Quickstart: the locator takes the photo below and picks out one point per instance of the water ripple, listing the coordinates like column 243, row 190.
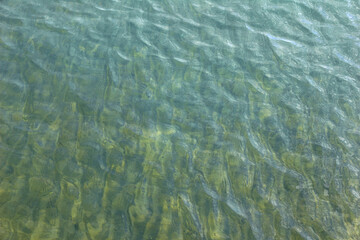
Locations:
column 179, row 119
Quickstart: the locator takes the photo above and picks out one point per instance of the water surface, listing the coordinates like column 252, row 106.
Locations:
column 179, row 119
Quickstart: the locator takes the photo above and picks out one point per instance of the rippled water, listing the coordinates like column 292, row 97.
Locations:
column 179, row 119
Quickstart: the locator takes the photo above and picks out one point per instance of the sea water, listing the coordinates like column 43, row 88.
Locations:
column 178, row 119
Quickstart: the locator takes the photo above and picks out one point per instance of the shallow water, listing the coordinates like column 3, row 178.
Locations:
column 179, row 119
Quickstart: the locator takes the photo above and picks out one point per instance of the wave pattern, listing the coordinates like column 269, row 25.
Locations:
column 179, row 119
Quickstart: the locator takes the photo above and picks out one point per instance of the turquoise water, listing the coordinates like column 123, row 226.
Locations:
column 179, row 119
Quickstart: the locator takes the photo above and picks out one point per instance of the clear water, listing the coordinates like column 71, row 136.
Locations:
column 179, row 119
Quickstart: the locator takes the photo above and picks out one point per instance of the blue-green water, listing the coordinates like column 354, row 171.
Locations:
column 179, row 119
